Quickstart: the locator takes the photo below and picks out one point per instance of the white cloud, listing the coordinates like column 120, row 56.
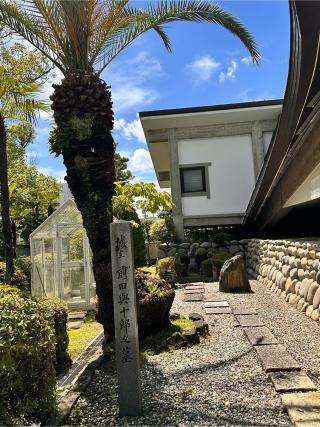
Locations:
column 230, row 73
column 130, row 129
column 129, row 96
column 141, row 161
column 51, row 171
column 129, row 81
column 203, row 68
column 246, row 60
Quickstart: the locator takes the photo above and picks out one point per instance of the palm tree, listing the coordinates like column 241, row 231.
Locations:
column 81, row 38
column 17, row 102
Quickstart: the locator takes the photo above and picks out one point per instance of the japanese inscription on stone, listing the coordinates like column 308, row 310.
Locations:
column 125, row 317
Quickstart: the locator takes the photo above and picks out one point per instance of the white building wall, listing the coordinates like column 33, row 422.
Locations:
column 231, row 174
column 308, row 190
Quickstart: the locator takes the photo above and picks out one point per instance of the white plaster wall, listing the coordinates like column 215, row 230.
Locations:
column 308, row 190
column 231, row 174
column 266, row 141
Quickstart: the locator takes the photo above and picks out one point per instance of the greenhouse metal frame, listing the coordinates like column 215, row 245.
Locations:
column 61, row 259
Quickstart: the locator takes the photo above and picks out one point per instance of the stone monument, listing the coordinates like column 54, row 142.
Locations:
column 125, row 318
column 233, row 276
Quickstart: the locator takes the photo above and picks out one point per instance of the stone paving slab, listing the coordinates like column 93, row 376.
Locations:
column 193, row 291
column 195, row 284
column 211, row 297
column 275, row 357
column 216, row 304
column 75, row 325
column 217, row 310
column 303, row 408
column 188, row 288
column 193, row 297
column 249, row 320
column 260, row 335
column 76, row 315
column 291, row 381
column 239, row 310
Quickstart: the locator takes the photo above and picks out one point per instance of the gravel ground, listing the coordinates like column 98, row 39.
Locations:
column 217, row 383
column 299, row 334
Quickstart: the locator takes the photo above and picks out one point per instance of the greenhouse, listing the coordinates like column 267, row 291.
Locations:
column 61, row 259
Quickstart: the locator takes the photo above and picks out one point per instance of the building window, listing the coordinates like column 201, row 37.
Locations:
column 193, row 179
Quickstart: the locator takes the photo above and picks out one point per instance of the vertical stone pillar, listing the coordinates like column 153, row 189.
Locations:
column 125, row 318
column 175, row 185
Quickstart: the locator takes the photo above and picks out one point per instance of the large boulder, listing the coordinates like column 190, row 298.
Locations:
column 233, row 276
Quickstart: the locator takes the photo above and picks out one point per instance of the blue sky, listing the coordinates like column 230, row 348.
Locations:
column 208, row 66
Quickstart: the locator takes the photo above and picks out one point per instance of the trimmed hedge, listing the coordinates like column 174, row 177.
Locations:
column 27, row 358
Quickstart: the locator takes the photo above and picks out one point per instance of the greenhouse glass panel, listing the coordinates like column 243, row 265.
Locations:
column 62, row 260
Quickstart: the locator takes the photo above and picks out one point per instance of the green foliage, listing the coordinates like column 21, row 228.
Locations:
column 59, row 312
column 154, row 288
column 165, row 265
column 158, row 231
column 137, row 237
column 220, row 238
column 31, row 192
column 140, row 195
column 219, row 259
column 76, row 245
column 122, row 173
column 206, row 267
column 20, row 279
column 27, row 355
column 110, row 28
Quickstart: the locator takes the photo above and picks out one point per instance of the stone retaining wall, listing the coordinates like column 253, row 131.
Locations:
column 202, row 250
column 289, row 268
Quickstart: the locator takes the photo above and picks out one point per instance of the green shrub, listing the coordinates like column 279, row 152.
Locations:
column 158, row 231
column 206, row 267
column 27, row 356
column 165, row 265
column 59, row 312
column 23, row 264
column 137, row 237
column 221, row 238
column 19, row 278
column 219, row 259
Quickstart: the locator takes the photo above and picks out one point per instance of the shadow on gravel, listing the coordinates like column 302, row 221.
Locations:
column 175, row 399
column 215, row 365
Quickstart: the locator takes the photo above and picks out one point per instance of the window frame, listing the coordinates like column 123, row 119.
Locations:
column 204, row 167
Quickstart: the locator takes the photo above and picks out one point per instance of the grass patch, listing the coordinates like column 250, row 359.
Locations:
column 80, row 338
column 154, row 343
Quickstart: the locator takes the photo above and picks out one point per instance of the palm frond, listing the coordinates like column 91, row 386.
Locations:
column 154, row 16
column 88, row 34
column 29, row 26
column 18, row 101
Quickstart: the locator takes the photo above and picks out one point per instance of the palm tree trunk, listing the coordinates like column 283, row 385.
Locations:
column 83, row 114
column 5, row 203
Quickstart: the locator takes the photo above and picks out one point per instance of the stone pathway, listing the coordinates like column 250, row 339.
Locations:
column 284, row 371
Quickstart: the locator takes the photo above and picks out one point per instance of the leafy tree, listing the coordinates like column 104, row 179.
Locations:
column 21, row 73
column 16, row 103
column 144, row 197
column 81, row 39
column 122, row 173
column 31, row 192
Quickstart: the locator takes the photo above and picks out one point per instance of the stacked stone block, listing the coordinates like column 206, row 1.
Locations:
column 290, row 269
column 204, row 249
